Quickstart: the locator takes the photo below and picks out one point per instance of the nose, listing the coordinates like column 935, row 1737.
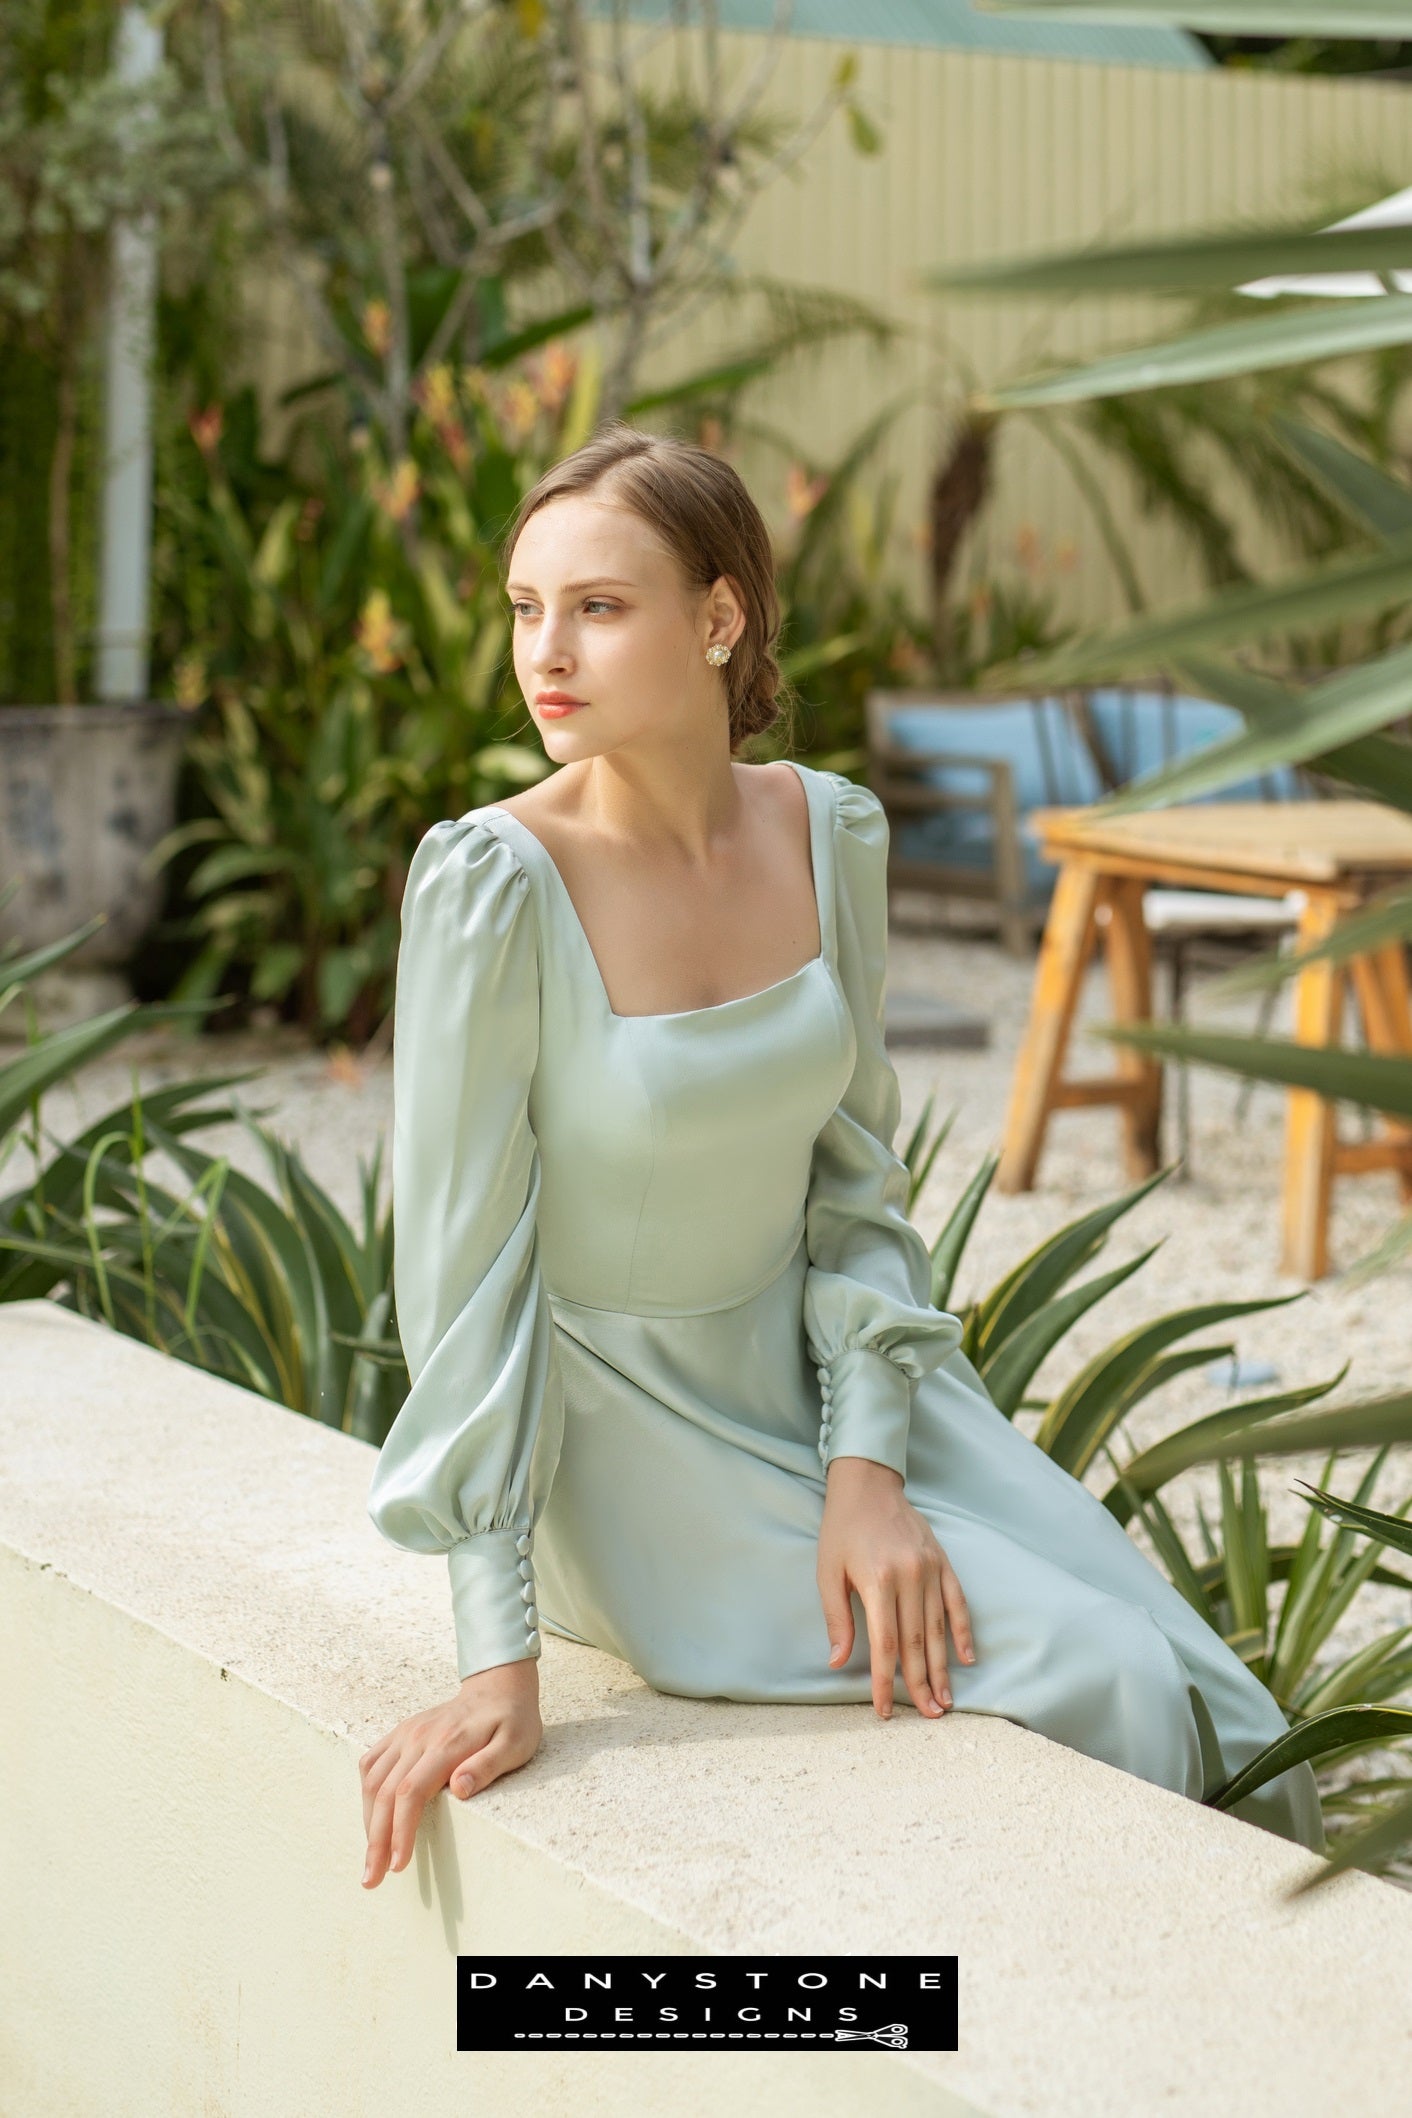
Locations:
column 552, row 653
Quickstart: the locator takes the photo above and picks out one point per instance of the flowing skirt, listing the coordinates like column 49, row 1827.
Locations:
column 681, row 1534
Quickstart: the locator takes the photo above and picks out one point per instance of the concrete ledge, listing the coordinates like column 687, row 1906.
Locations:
column 202, row 1631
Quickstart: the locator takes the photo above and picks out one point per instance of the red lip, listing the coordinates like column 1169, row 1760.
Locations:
column 557, row 698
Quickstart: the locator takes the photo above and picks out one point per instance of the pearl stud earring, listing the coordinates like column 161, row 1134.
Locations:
column 718, row 654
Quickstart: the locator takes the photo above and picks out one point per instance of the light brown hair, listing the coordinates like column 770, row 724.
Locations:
column 702, row 511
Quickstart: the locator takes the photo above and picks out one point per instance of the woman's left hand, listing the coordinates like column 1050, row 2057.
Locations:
column 873, row 1540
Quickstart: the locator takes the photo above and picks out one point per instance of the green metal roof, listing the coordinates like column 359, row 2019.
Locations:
column 949, row 24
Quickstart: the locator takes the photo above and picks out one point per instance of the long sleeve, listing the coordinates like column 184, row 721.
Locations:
column 469, row 1460
column 869, row 1321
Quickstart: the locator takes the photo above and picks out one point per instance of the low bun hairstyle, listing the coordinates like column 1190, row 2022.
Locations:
column 702, row 511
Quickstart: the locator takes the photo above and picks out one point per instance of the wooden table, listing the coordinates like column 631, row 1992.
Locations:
column 1338, row 853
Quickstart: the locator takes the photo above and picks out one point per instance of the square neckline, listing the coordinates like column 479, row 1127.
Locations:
column 718, row 1007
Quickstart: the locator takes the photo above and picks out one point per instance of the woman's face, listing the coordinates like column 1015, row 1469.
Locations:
column 603, row 617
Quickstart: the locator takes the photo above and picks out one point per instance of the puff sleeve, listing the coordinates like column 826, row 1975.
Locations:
column 468, row 1461
column 870, row 1325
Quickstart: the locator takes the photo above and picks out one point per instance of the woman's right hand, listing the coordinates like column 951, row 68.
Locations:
column 490, row 1727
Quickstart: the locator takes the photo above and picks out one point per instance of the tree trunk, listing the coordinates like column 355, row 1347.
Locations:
column 959, row 491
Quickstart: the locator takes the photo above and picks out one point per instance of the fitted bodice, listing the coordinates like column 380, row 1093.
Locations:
column 675, row 1149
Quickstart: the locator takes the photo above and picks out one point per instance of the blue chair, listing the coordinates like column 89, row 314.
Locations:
column 1134, row 729
column 957, row 774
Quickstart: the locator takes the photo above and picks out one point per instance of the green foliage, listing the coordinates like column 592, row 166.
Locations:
column 270, row 1287
column 340, row 635
column 1276, row 1606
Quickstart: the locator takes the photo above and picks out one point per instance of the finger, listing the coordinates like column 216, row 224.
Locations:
column 409, row 1798
column 912, row 1638
column 375, row 1778
column 838, row 1616
column 379, row 1837
column 937, row 1670
column 880, row 1607
column 958, row 1611
column 481, row 1767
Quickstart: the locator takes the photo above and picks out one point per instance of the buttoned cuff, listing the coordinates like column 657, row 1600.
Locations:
column 867, row 1407
column 493, row 1598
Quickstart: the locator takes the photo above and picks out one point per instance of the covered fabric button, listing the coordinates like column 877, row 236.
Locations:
column 522, row 1543
column 527, row 1592
column 530, row 1616
column 532, row 1638
column 527, row 1569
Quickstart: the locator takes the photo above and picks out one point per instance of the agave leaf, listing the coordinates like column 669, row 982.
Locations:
column 1008, row 1373
column 1369, row 497
column 951, row 1242
column 1370, row 1849
column 1183, row 263
column 1284, row 339
column 1207, row 1440
column 1083, row 1413
column 1345, row 586
column 1040, row 1274
column 1392, row 1530
column 1382, row 1082
column 1324, row 1736
column 1379, row 764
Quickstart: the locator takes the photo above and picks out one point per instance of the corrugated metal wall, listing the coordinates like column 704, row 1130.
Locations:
column 955, row 24
column 988, row 155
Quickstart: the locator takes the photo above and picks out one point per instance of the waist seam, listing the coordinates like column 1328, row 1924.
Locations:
column 735, row 1301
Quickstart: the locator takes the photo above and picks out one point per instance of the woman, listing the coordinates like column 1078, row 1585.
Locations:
column 677, row 1386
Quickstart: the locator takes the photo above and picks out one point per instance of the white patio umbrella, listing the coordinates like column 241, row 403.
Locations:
column 1392, row 212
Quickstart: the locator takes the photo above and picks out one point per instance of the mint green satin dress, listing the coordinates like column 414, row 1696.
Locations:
column 653, row 1272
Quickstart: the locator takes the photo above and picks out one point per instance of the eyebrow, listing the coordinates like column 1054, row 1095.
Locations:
column 603, row 581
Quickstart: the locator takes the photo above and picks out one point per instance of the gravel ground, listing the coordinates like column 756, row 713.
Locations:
column 1219, row 1228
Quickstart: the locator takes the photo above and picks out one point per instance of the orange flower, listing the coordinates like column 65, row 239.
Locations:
column 189, row 680
column 436, row 393
column 377, row 327
column 555, row 375
column 395, row 498
column 803, row 493
column 453, row 439
column 206, row 428
column 379, row 635
column 519, row 409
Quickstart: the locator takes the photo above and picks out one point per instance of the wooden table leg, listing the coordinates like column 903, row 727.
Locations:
column 1380, row 981
column 1310, row 1126
column 1064, row 951
column 1130, row 983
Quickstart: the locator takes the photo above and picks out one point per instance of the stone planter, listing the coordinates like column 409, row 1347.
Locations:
column 85, row 794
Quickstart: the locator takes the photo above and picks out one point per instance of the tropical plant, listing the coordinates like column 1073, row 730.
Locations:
column 1347, row 725
column 270, row 1287
column 445, row 161
column 1339, row 1710
column 82, row 153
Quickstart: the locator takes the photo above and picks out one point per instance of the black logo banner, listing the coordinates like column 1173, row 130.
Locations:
column 840, row 2003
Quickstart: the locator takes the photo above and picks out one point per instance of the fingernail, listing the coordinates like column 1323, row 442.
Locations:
column 946, row 1698
column 367, row 1870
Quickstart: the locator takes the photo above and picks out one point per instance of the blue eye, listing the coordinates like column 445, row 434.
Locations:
column 602, row 602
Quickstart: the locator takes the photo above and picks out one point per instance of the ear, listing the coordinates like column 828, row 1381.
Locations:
column 725, row 611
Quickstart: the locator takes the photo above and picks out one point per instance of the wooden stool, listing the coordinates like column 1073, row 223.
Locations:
column 1338, row 854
